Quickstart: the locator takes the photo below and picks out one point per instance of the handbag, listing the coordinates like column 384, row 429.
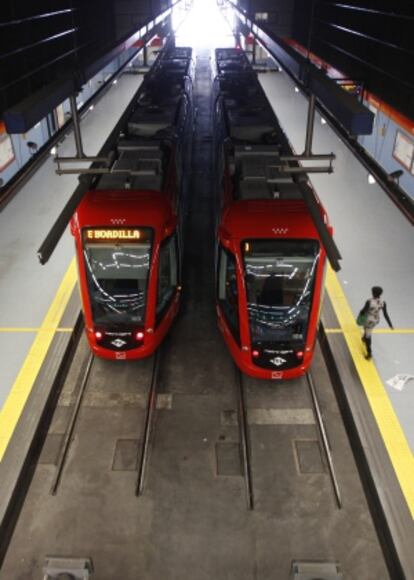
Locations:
column 361, row 319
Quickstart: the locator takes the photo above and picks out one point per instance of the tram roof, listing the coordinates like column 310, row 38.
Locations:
column 245, row 219
column 110, row 207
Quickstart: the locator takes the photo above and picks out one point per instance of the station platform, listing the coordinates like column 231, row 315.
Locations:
column 376, row 242
column 374, row 238
column 33, row 297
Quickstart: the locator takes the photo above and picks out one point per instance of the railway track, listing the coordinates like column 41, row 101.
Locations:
column 149, row 420
column 144, row 441
column 324, row 439
column 245, row 439
column 69, row 432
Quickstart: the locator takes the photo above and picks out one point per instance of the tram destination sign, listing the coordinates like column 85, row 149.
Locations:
column 115, row 235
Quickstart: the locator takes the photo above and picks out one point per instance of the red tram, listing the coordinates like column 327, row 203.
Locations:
column 126, row 230
column 270, row 261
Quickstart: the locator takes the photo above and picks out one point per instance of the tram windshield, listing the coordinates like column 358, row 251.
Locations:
column 279, row 277
column 117, row 265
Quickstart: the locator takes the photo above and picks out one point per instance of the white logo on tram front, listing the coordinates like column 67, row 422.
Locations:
column 277, row 361
column 118, row 342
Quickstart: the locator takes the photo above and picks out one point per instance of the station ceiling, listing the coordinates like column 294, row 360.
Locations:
column 368, row 40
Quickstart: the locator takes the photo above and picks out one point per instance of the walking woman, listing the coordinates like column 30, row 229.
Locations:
column 371, row 311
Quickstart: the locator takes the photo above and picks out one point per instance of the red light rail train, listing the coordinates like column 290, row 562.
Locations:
column 127, row 229
column 270, row 261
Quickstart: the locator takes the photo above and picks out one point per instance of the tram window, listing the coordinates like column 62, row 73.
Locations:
column 228, row 292
column 279, row 276
column 117, row 276
column 167, row 275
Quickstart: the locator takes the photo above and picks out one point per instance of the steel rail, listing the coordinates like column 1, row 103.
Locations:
column 325, row 441
column 71, row 427
column 244, row 439
column 149, row 417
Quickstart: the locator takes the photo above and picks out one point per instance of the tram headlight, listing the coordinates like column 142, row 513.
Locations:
column 255, row 353
column 299, row 354
column 98, row 335
column 139, row 336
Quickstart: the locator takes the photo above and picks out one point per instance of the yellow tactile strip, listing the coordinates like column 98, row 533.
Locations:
column 17, row 329
column 376, row 331
column 19, row 393
column 393, row 436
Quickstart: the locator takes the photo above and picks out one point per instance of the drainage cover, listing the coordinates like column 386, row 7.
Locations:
column 308, row 454
column 316, row 571
column 57, row 568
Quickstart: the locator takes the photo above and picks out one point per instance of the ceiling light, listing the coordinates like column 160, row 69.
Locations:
column 323, row 121
column 371, row 179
